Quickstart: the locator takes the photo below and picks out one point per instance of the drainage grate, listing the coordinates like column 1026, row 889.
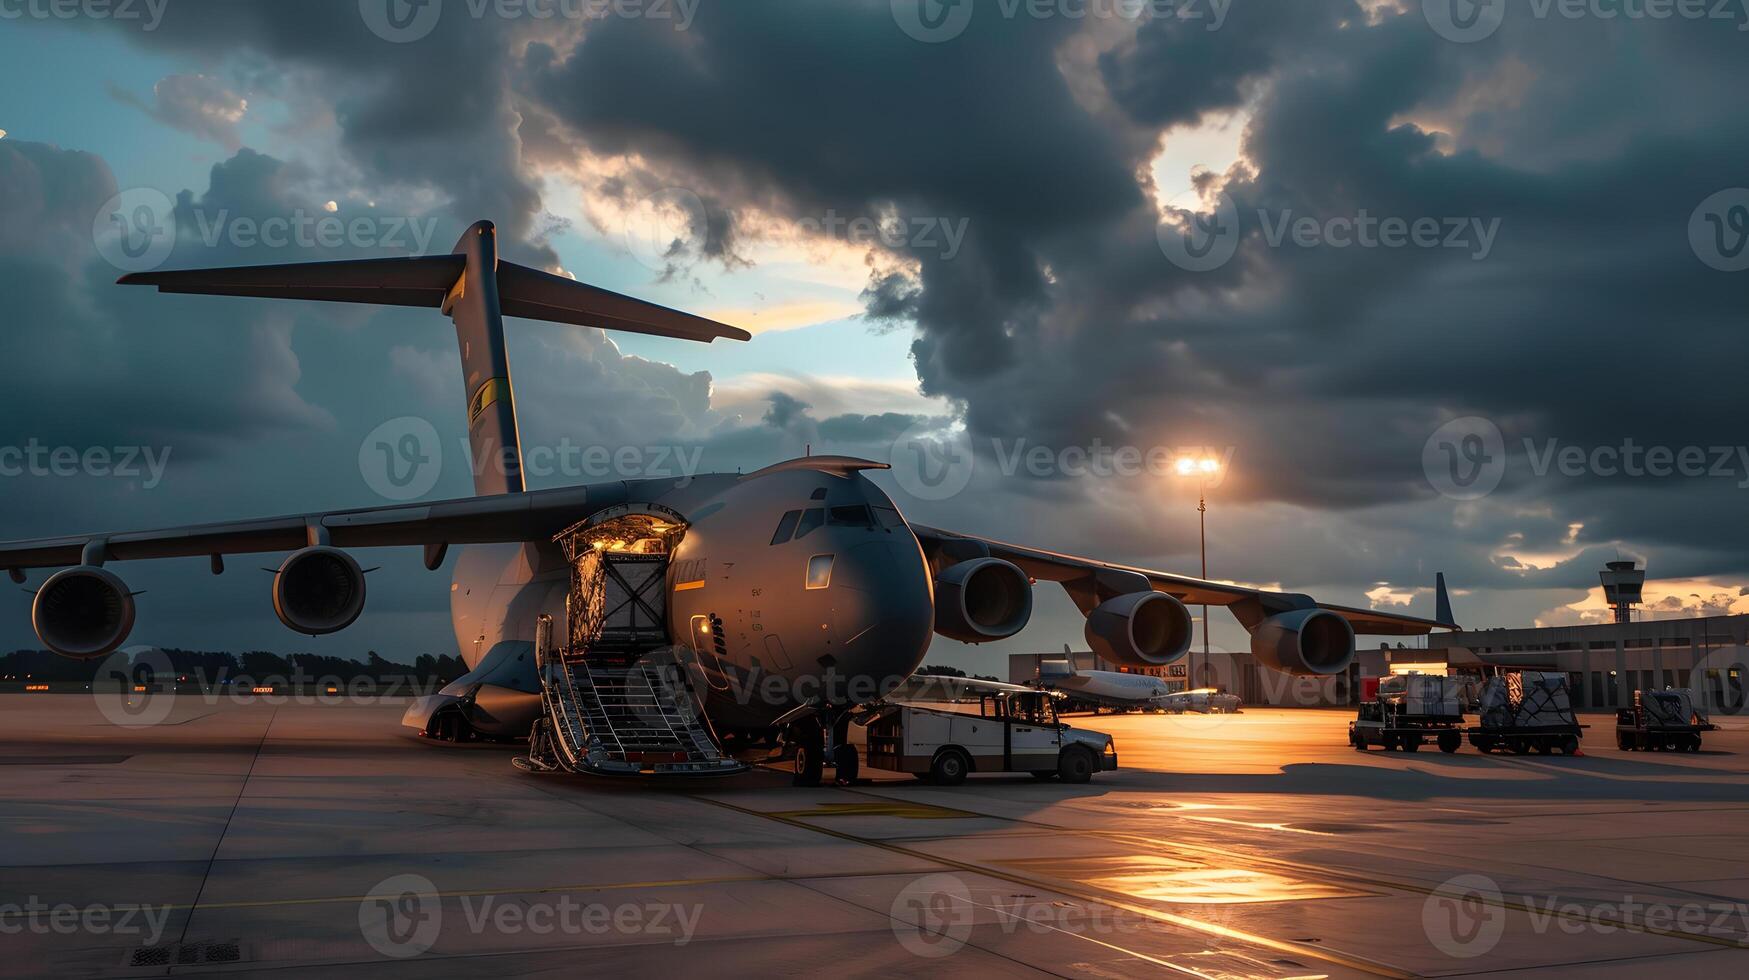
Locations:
column 187, row 954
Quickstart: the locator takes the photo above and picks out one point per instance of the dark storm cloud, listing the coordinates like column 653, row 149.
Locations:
column 1589, row 321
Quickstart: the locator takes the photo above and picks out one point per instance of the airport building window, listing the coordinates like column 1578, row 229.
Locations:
column 820, row 571
column 812, row 518
column 786, row 527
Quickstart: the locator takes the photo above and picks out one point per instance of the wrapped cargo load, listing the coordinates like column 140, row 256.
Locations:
column 1544, row 702
column 1670, row 708
column 1496, row 706
column 1527, row 711
column 1431, row 696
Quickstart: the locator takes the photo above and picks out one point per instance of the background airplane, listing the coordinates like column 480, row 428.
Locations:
column 785, row 595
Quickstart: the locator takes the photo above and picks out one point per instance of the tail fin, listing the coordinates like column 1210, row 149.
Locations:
column 1442, row 599
column 475, row 290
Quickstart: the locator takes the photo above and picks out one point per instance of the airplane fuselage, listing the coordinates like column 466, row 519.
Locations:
column 789, row 585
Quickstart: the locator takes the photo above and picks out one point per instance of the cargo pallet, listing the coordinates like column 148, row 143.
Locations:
column 1525, row 712
column 1542, row 739
column 1673, row 726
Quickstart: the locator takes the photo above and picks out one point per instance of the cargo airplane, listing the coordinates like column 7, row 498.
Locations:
column 803, row 572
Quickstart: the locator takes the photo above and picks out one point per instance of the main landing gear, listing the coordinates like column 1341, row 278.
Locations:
column 813, row 752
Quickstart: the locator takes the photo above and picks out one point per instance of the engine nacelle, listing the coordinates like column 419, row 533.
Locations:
column 319, row 590
column 1141, row 629
column 83, row 613
column 982, row 599
column 1314, row 642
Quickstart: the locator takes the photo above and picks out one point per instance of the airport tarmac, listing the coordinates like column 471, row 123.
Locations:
column 267, row 837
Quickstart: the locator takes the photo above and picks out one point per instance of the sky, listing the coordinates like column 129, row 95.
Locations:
column 1439, row 293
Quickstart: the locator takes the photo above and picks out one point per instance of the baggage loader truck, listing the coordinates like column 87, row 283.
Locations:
column 1014, row 731
column 1409, row 710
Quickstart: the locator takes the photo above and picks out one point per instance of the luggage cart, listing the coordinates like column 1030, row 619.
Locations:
column 1524, row 712
column 1407, row 712
column 1660, row 721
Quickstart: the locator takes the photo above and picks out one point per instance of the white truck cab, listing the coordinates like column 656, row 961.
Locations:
column 1002, row 732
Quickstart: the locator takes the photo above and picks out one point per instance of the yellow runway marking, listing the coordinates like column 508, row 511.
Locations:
column 906, row 811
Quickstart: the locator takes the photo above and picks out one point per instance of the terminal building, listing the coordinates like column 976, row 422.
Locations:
column 1605, row 664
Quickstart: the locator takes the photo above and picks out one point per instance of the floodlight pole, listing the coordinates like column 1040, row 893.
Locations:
column 1202, row 509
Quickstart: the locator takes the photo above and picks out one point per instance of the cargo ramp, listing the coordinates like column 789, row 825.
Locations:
column 616, row 697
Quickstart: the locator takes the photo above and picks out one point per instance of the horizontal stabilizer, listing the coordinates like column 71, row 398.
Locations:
column 428, row 281
column 383, row 282
column 536, row 295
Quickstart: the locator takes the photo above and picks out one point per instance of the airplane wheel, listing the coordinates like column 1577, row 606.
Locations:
column 1075, row 766
column 810, row 749
column 949, row 768
column 845, row 762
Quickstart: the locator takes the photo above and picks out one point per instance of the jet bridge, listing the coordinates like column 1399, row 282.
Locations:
column 616, row 693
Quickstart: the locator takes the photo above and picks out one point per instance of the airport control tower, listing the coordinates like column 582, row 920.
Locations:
column 1622, row 582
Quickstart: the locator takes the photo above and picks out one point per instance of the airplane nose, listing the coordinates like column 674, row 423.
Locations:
column 883, row 615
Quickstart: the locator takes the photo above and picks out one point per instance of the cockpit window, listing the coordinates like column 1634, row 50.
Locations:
column 812, row 518
column 854, row 516
column 786, row 527
column 888, row 516
column 820, row 571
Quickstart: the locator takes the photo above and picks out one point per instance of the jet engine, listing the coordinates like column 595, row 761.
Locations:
column 982, row 599
column 83, row 613
column 319, row 590
column 1304, row 641
column 1140, row 629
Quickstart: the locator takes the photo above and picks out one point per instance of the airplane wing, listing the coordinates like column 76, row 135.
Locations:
column 941, row 688
column 530, row 516
column 1083, row 578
